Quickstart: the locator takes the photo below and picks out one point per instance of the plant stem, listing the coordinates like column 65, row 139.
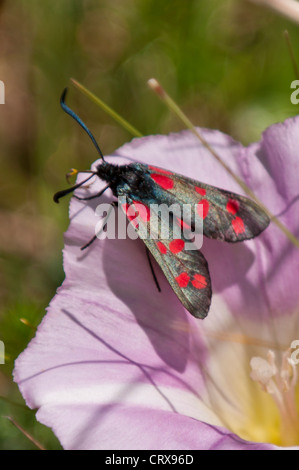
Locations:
column 26, row 433
column 157, row 88
column 125, row 124
column 292, row 54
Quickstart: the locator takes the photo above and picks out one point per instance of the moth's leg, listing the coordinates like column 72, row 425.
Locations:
column 112, row 205
column 152, row 268
column 93, row 196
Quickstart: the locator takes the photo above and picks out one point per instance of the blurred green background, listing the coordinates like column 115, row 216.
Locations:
column 225, row 62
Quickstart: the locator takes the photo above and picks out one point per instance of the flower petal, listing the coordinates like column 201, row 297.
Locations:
column 90, row 427
column 110, row 346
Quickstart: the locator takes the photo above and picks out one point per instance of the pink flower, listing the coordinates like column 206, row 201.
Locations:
column 117, row 365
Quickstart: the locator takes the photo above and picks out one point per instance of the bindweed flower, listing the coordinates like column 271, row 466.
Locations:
column 117, row 365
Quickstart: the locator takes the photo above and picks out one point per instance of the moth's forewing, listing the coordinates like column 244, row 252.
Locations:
column 226, row 216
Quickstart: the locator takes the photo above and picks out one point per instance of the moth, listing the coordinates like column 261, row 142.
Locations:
column 223, row 215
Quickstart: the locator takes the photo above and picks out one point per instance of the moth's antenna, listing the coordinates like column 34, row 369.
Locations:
column 79, row 121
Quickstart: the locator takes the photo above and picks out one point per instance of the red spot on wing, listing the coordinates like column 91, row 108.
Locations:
column 162, row 248
column 125, row 207
column 144, row 211
column 232, row 206
column 131, row 214
column 200, row 191
column 204, row 207
column 238, row 225
column 164, row 181
column 129, row 210
column 176, row 245
column 199, row 281
column 182, row 223
column 183, row 279
column 160, row 170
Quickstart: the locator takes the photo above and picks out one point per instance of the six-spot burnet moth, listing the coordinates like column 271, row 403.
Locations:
column 223, row 215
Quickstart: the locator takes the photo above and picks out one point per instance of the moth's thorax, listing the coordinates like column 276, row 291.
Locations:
column 124, row 179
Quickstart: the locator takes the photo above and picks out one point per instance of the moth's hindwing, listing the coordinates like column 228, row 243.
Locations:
column 186, row 270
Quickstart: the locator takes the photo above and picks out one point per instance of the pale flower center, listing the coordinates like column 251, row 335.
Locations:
column 279, row 381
